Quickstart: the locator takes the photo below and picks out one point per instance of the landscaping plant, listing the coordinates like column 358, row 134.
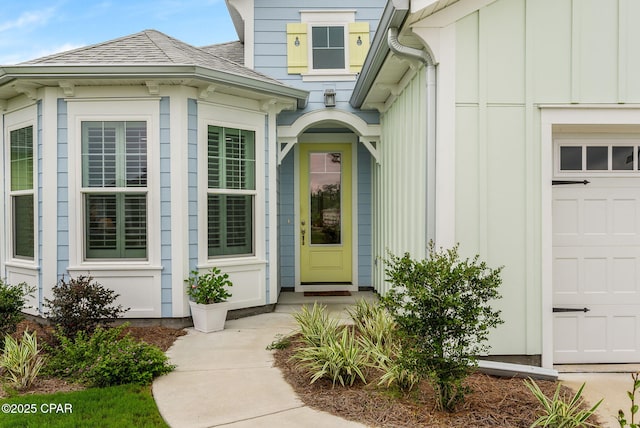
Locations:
column 107, row 358
column 81, row 304
column 316, row 327
column 559, row 412
column 208, row 288
column 12, row 301
column 442, row 308
column 338, row 358
column 622, row 419
column 21, row 361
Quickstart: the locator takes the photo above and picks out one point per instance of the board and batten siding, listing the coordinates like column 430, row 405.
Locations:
column 399, row 181
column 512, row 56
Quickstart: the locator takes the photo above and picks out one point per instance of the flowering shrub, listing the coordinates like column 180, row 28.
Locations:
column 107, row 358
column 81, row 304
column 209, row 287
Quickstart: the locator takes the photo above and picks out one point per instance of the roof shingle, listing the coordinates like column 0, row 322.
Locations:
column 150, row 47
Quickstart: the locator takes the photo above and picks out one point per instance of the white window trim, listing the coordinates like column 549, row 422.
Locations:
column 328, row 18
column 210, row 115
column 112, row 111
column 13, row 121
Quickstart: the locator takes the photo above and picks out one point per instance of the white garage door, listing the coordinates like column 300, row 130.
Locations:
column 596, row 252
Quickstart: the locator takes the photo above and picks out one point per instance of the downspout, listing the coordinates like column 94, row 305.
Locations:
column 424, row 57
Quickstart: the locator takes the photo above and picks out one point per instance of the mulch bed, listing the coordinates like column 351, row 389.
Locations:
column 494, row 402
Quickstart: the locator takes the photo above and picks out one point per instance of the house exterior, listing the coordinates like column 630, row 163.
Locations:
column 137, row 161
column 330, row 133
column 533, row 99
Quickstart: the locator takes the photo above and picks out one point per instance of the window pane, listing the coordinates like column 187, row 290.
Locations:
column 597, row 158
column 232, row 163
column 135, row 225
column 136, row 153
column 320, row 37
column 571, row 158
column 230, row 224
column 336, row 37
column 99, row 154
column 622, row 158
column 324, row 186
column 23, row 233
column 22, row 158
column 101, row 225
column 325, row 59
column 215, row 156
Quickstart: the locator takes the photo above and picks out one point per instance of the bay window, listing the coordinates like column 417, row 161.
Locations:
column 231, row 191
column 114, row 188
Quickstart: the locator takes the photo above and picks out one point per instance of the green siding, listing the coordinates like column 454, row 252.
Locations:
column 512, row 56
column 399, row 181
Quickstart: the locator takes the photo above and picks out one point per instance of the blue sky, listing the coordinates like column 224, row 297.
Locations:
column 34, row 28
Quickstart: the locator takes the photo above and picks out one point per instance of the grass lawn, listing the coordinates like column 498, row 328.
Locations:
column 117, row 406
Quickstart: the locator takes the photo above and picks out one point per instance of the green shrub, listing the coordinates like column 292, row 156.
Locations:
column 633, row 410
column 21, row 361
column 80, row 304
column 316, row 327
column 337, row 358
column 107, row 358
column 210, row 287
column 12, row 300
column 559, row 412
column 441, row 306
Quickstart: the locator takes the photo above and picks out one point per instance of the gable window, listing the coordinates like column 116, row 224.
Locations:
column 327, row 45
column 114, row 187
column 328, row 50
column 231, row 191
column 21, row 192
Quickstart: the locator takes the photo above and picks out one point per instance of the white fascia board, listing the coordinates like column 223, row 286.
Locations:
column 67, row 72
column 449, row 14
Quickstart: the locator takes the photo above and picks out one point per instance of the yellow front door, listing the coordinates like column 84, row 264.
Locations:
column 325, row 213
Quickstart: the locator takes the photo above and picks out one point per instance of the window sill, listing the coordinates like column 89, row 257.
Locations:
column 22, row 264
column 229, row 262
column 329, row 77
column 113, row 265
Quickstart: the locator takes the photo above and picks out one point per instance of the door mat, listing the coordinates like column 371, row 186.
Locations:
column 326, row 293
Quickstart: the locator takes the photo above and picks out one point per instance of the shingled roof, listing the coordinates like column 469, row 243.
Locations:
column 233, row 51
column 149, row 47
column 149, row 56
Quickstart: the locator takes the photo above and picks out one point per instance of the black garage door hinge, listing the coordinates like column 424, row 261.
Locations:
column 561, row 182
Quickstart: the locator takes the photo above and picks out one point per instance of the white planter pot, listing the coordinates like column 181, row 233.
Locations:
column 208, row 318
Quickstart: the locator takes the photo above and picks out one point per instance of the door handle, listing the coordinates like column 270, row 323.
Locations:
column 303, row 231
column 585, row 310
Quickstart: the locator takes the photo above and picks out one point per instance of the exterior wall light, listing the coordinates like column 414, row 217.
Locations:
column 329, row 98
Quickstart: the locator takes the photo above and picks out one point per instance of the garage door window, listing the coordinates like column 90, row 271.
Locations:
column 599, row 158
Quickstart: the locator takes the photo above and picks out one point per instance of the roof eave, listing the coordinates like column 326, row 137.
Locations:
column 394, row 14
column 10, row 73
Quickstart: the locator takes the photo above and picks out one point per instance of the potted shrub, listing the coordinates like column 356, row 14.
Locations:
column 207, row 293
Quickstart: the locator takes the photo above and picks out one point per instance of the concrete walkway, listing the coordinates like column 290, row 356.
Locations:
column 603, row 381
column 227, row 378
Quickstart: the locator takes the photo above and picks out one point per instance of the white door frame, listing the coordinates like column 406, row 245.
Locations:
column 565, row 115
